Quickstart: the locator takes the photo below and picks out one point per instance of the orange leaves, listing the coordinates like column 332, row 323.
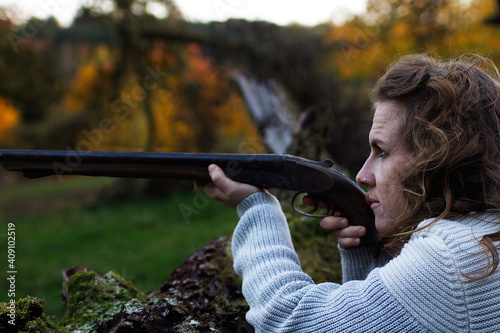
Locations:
column 159, row 55
column 81, row 87
column 9, row 119
column 192, row 103
column 174, row 126
column 198, row 65
column 366, row 45
column 84, row 87
column 200, row 104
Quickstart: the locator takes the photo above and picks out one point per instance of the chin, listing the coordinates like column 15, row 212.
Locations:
column 380, row 223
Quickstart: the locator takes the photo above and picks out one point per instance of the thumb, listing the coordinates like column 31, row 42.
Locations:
column 219, row 178
column 227, row 190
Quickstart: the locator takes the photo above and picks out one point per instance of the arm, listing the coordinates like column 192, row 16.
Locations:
column 283, row 298
column 357, row 261
column 420, row 290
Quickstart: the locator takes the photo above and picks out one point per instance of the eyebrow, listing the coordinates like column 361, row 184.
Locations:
column 375, row 143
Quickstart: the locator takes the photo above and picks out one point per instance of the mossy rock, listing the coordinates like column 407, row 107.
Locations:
column 202, row 295
column 208, row 287
column 92, row 301
column 25, row 315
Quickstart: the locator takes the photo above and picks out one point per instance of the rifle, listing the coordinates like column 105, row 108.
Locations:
column 279, row 171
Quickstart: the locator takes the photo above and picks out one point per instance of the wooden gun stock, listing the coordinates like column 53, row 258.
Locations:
column 287, row 172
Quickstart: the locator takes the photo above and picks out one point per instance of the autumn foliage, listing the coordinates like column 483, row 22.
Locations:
column 9, row 119
column 391, row 28
column 160, row 94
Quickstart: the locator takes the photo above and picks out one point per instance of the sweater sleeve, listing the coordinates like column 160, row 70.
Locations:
column 283, row 298
column 359, row 261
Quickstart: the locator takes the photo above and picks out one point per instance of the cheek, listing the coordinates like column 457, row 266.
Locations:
column 389, row 189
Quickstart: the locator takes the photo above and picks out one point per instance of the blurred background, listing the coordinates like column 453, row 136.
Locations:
column 188, row 76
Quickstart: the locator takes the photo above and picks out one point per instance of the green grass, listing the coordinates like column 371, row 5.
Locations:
column 142, row 240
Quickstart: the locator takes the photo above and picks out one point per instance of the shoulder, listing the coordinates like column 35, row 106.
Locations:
column 451, row 245
column 472, row 224
column 461, row 237
column 428, row 275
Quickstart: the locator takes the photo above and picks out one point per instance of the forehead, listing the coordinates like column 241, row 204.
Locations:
column 386, row 121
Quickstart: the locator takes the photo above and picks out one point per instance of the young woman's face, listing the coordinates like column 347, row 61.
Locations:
column 380, row 173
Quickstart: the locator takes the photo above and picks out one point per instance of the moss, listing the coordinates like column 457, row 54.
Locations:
column 202, row 295
column 316, row 248
column 93, row 300
column 26, row 315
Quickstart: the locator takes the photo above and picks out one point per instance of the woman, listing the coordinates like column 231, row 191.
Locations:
column 433, row 180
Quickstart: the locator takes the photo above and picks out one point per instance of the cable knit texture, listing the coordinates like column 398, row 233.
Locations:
column 421, row 290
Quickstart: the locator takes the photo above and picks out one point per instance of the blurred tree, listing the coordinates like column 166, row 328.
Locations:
column 169, row 82
column 26, row 67
column 158, row 94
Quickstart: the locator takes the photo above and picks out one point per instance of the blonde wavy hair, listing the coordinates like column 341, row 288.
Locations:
column 452, row 124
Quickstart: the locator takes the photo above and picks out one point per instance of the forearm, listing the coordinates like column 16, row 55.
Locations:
column 262, row 232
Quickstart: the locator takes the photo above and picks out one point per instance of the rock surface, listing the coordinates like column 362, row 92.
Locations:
column 202, row 295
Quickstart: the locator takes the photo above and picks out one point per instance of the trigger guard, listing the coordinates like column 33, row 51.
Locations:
column 330, row 210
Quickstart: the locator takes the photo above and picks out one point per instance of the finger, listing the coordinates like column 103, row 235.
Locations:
column 347, row 243
column 310, row 201
column 219, row 178
column 351, row 232
column 226, row 190
column 334, row 222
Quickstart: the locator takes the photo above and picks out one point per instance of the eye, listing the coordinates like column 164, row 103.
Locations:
column 379, row 152
column 382, row 154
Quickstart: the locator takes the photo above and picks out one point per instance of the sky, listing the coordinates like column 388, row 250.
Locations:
column 282, row 12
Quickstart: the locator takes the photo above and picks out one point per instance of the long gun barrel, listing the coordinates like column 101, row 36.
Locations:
column 279, row 171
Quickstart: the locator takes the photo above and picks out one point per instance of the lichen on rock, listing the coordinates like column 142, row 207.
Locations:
column 92, row 301
column 202, row 295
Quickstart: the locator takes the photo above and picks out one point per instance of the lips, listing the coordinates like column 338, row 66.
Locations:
column 371, row 201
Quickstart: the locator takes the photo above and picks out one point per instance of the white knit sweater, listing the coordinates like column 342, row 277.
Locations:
column 421, row 290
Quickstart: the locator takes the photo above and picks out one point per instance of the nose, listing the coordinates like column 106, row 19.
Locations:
column 365, row 177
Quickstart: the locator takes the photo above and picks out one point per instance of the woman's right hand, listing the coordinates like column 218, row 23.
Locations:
column 348, row 236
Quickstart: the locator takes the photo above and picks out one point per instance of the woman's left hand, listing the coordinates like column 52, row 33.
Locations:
column 224, row 189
